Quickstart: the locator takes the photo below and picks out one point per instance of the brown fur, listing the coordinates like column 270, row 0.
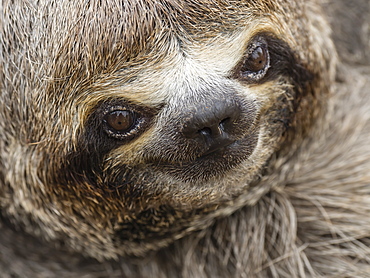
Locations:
column 74, row 203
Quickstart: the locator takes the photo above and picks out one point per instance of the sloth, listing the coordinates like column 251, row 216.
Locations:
column 184, row 139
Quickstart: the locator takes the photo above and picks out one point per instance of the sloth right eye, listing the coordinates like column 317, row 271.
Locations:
column 256, row 63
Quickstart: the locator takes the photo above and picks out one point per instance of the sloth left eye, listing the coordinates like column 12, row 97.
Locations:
column 120, row 120
column 124, row 121
column 257, row 62
column 123, row 124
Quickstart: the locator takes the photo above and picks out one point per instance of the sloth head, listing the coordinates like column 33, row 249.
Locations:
column 140, row 122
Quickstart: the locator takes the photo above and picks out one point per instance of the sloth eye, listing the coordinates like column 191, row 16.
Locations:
column 120, row 120
column 257, row 62
column 123, row 124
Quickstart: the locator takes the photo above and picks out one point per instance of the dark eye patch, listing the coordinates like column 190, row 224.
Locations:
column 267, row 58
column 111, row 124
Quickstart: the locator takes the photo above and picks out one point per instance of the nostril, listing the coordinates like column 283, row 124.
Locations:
column 210, row 122
column 205, row 131
column 224, row 124
column 217, row 129
column 211, row 131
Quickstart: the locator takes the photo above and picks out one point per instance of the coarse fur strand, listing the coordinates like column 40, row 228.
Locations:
column 305, row 211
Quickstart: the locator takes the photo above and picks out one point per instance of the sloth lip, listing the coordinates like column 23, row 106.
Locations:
column 211, row 163
column 216, row 162
column 231, row 154
column 234, row 150
column 218, row 150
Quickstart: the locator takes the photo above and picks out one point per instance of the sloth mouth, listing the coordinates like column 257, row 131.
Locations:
column 219, row 145
column 215, row 162
column 214, row 152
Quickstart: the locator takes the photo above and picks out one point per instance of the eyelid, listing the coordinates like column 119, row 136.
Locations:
column 112, row 108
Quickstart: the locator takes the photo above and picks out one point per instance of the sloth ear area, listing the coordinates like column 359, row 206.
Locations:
column 267, row 58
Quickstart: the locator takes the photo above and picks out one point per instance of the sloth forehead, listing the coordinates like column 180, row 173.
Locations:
column 142, row 49
column 154, row 80
column 112, row 35
column 168, row 57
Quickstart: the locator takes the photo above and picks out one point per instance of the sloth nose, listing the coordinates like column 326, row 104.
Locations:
column 213, row 125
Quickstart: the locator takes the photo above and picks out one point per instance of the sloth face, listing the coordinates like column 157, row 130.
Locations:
column 155, row 124
column 194, row 137
column 200, row 132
